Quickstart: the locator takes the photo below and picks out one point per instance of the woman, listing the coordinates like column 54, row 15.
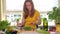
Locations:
column 31, row 17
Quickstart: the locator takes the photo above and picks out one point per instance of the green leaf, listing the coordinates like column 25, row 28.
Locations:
column 3, row 24
column 54, row 14
column 42, row 31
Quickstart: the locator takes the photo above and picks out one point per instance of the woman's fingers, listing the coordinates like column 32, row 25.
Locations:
column 33, row 23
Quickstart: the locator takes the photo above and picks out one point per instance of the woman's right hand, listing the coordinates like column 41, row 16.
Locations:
column 19, row 24
column 23, row 22
column 33, row 23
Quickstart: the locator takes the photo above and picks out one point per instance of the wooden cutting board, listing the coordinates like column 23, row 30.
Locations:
column 29, row 32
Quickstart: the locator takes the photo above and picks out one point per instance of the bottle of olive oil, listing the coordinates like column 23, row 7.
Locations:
column 45, row 24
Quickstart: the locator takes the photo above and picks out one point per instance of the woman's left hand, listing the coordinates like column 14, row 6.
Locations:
column 33, row 23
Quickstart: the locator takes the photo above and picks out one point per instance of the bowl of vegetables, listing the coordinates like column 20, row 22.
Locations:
column 27, row 28
column 42, row 31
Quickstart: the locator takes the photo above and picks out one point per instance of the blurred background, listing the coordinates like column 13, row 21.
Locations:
column 12, row 10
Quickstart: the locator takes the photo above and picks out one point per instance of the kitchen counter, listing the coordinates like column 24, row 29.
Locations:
column 29, row 32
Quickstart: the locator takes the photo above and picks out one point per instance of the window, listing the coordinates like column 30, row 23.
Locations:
column 41, row 5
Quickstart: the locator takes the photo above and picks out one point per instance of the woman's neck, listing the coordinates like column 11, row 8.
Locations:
column 29, row 12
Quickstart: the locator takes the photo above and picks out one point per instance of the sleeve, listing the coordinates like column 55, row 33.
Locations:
column 38, row 13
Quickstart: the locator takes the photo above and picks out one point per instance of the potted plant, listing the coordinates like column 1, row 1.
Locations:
column 55, row 15
column 3, row 24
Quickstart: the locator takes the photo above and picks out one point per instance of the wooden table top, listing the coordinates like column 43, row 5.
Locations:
column 29, row 32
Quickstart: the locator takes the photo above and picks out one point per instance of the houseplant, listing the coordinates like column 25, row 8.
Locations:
column 55, row 15
column 3, row 24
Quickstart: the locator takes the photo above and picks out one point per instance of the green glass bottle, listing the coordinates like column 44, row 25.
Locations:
column 45, row 24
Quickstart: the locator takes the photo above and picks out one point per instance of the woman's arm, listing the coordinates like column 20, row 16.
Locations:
column 38, row 20
column 23, row 21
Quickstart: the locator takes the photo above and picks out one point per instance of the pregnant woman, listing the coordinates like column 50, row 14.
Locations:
column 31, row 16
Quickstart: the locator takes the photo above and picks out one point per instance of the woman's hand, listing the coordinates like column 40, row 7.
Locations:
column 38, row 20
column 33, row 23
column 19, row 24
column 23, row 21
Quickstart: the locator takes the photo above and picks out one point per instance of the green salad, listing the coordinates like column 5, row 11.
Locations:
column 27, row 28
column 42, row 32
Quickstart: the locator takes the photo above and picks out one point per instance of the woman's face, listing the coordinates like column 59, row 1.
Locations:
column 29, row 6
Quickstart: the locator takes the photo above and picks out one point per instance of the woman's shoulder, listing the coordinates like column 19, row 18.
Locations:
column 36, row 11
